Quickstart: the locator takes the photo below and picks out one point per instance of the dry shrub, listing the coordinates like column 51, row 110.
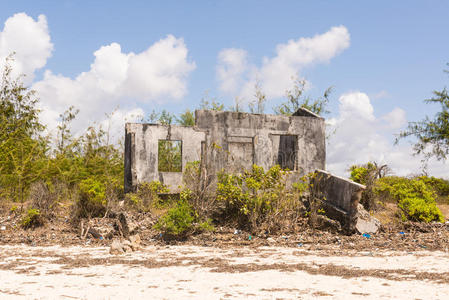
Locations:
column 44, row 198
column 202, row 189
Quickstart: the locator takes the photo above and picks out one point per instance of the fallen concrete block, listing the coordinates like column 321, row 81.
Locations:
column 339, row 198
column 365, row 222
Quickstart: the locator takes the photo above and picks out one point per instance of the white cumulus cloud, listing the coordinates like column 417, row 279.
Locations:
column 361, row 137
column 30, row 40
column 119, row 79
column 232, row 63
column 275, row 74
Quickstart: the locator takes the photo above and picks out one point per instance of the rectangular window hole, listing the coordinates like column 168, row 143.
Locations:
column 287, row 152
column 169, row 156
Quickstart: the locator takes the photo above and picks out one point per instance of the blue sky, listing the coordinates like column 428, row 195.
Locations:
column 388, row 57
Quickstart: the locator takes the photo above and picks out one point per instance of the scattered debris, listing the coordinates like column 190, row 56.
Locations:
column 125, row 246
column 325, row 223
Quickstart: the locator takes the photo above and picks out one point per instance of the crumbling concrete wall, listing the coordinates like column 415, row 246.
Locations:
column 232, row 141
column 339, row 197
column 141, row 152
column 237, row 139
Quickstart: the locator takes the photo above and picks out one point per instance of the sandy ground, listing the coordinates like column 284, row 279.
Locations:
column 194, row 272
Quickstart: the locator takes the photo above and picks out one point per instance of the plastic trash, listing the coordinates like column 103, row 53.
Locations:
column 401, row 232
column 367, row 235
column 237, row 231
column 299, row 245
column 3, row 228
column 249, row 238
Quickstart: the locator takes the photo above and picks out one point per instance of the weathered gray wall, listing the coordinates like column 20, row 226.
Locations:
column 230, row 140
column 238, row 133
column 141, row 152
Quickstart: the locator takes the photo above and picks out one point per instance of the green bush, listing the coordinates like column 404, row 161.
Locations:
column 417, row 209
column 360, row 174
column 415, row 199
column 438, row 185
column 92, row 198
column 33, row 218
column 399, row 188
column 367, row 174
column 206, row 226
column 177, row 221
column 259, row 199
column 147, row 196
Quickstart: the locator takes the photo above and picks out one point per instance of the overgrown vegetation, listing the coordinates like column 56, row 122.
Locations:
column 41, row 173
column 415, row 197
column 260, row 200
column 367, row 174
column 297, row 99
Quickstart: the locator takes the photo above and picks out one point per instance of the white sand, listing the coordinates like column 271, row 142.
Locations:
column 42, row 273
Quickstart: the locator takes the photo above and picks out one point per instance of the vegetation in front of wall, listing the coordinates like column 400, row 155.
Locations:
column 260, row 200
column 147, row 196
column 42, row 171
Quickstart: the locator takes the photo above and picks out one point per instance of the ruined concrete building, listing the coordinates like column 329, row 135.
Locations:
column 234, row 141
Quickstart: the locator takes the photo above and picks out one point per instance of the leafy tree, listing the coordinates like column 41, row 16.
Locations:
column 22, row 148
column 64, row 134
column 186, row 119
column 432, row 135
column 164, row 117
column 296, row 99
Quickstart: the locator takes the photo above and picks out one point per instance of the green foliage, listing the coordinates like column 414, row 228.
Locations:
column 431, row 133
column 419, row 210
column 92, row 198
column 367, row 174
column 13, row 209
column 399, row 188
column 296, row 100
column 32, row 219
column 258, row 198
column 440, row 186
column 415, row 199
column 177, row 221
column 206, row 226
column 163, row 118
column 147, row 196
column 210, row 103
column 360, row 174
column 169, row 156
column 22, row 149
column 186, row 119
